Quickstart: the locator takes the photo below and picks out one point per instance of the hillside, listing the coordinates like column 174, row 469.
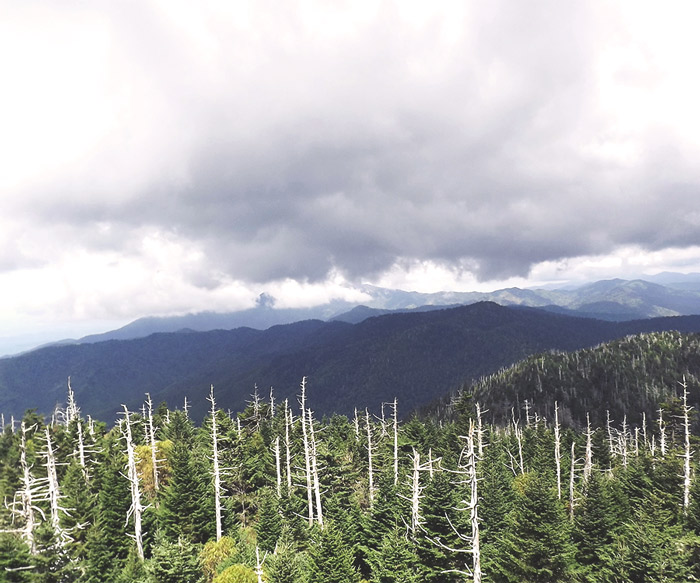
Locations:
column 627, row 377
column 414, row 356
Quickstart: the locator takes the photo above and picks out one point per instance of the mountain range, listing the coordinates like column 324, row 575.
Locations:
column 416, row 356
column 665, row 294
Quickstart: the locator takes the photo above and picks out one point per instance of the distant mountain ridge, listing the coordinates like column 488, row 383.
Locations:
column 670, row 294
column 416, row 356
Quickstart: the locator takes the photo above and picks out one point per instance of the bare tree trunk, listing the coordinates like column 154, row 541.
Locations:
column 287, row 443
column 557, row 447
column 572, row 478
column 588, row 463
column 687, row 454
column 396, row 442
column 259, row 564
column 54, row 493
column 307, row 453
column 132, row 475
column 72, row 411
column 314, row 470
column 152, row 443
column 474, row 506
column 662, row 433
column 623, row 439
column 278, row 466
column 416, row 489
column 27, row 494
column 369, row 458
column 215, row 460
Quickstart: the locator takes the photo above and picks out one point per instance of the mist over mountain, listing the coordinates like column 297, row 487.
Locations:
column 665, row 294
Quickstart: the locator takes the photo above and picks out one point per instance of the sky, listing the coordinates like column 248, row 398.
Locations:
column 159, row 157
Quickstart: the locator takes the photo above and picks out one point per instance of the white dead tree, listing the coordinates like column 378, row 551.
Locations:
column 623, row 441
column 588, row 460
column 416, row 489
column 287, row 444
column 72, row 411
column 687, row 454
column 314, row 469
column 557, row 447
column 278, row 466
column 396, row 441
column 662, row 433
column 307, row 453
column 151, row 435
column 370, row 451
column 53, row 493
column 272, row 403
column 27, row 494
column 215, row 460
column 572, row 478
column 611, row 440
column 259, row 564
column 136, row 508
column 356, row 423
column 468, row 469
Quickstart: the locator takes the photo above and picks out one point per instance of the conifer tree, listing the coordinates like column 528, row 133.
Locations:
column 330, row 561
column 536, row 547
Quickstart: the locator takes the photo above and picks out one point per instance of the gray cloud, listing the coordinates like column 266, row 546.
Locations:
column 477, row 140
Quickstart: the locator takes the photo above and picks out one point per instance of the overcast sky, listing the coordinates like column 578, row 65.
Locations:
column 161, row 157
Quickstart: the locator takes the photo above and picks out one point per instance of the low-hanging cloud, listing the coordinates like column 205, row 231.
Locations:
column 296, row 140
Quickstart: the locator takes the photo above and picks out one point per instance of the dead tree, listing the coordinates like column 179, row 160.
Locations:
column 151, row 434
column 687, row 454
column 307, row 453
column 136, row 508
column 314, row 469
column 215, row 461
column 396, row 442
column 588, row 460
column 287, row 443
column 370, row 450
column 557, row 447
column 468, row 469
column 662, row 433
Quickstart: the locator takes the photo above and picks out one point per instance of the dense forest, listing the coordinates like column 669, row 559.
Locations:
column 545, row 493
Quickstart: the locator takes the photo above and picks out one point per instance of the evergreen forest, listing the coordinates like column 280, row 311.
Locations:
column 567, row 467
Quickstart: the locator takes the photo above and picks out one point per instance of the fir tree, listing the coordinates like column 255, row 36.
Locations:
column 536, row 548
column 330, row 561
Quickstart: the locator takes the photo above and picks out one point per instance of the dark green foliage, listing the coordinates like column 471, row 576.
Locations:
column 330, row 561
column 174, row 562
column 536, row 547
column 396, row 560
column 269, row 523
column 16, row 564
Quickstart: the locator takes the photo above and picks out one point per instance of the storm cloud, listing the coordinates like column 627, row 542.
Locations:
column 306, row 140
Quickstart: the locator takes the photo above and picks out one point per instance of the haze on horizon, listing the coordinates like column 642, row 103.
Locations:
column 168, row 157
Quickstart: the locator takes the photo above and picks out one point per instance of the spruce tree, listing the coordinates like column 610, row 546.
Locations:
column 536, row 547
column 330, row 561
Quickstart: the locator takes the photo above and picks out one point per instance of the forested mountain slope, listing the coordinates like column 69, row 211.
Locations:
column 415, row 356
column 627, row 377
